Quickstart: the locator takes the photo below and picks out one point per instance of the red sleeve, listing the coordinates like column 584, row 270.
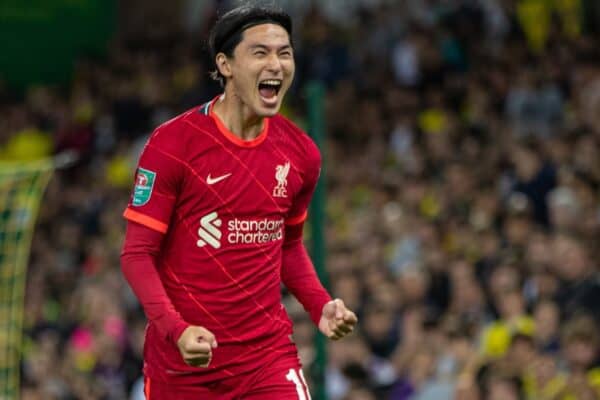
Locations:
column 299, row 276
column 157, row 181
column 297, row 270
column 140, row 249
column 312, row 169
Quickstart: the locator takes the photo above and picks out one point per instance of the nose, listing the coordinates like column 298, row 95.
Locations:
column 273, row 63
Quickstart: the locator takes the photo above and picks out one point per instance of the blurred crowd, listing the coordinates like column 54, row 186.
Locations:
column 463, row 203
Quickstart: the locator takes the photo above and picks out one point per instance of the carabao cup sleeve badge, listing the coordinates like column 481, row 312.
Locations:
column 144, row 182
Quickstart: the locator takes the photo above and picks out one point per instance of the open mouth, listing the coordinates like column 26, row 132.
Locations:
column 269, row 88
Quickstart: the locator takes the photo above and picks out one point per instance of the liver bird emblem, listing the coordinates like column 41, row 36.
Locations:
column 281, row 173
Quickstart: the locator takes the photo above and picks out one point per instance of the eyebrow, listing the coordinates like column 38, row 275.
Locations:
column 265, row 47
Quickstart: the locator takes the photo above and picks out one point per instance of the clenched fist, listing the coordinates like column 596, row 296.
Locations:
column 195, row 345
column 337, row 321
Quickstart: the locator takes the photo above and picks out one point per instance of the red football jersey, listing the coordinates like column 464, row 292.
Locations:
column 223, row 204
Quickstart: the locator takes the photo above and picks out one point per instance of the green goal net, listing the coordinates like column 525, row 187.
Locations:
column 21, row 188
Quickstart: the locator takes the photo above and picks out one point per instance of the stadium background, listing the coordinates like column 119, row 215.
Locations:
column 463, row 172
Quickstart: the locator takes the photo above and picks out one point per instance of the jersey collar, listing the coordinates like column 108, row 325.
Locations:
column 207, row 109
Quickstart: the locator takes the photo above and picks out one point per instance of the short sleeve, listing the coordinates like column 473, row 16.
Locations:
column 157, row 182
column 299, row 209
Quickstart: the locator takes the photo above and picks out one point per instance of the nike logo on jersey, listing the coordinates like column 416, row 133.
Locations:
column 211, row 181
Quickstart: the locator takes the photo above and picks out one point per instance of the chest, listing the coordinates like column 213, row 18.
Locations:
column 254, row 182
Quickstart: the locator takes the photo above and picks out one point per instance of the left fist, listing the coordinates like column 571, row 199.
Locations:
column 336, row 320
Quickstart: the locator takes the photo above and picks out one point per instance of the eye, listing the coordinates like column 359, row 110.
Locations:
column 260, row 53
column 285, row 54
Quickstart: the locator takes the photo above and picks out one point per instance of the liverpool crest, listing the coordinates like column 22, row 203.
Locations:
column 281, row 173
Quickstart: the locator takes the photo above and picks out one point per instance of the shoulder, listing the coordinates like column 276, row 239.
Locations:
column 169, row 132
column 296, row 137
column 172, row 135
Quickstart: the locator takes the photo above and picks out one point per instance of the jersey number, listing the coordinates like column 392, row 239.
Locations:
column 300, row 382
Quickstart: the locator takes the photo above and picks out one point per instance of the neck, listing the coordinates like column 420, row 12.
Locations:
column 237, row 117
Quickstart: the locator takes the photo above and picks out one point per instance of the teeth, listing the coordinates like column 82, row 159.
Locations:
column 273, row 82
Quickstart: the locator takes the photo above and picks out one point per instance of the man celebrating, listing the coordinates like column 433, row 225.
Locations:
column 215, row 225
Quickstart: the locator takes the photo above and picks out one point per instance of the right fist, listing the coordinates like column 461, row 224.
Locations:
column 195, row 345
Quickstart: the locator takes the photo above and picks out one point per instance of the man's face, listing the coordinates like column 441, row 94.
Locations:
column 262, row 68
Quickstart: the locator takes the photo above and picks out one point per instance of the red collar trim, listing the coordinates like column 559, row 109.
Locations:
column 232, row 137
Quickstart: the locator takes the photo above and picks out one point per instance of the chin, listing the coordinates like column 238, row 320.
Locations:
column 270, row 113
column 265, row 112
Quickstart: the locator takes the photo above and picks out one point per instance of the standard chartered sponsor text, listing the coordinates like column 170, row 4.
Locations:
column 265, row 230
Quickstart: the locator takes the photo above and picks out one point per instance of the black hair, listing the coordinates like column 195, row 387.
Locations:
column 228, row 31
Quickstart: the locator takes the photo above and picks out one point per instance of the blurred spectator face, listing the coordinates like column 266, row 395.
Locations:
column 558, row 150
column 461, row 349
column 510, row 304
column 435, row 260
column 421, row 367
column 387, row 295
column 544, row 369
column 439, row 146
column 466, row 291
column 547, row 318
column 588, row 157
column 264, row 53
column 580, row 353
column 413, row 284
column 526, row 163
column 580, row 343
column 563, row 209
column 484, row 210
column 570, row 260
column 372, row 254
column 504, row 278
column 468, row 298
column 518, row 229
column 412, row 192
column 459, row 181
column 588, row 85
column 538, row 252
column 348, row 287
column 379, row 322
column 461, row 271
column 522, row 352
column 374, row 276
column 502, row 389
column 546, row 284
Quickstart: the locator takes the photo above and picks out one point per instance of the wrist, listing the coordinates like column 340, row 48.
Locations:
column 317, row 310
column 177, row 331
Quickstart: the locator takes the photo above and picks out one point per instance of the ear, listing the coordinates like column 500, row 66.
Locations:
column 223, row 65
